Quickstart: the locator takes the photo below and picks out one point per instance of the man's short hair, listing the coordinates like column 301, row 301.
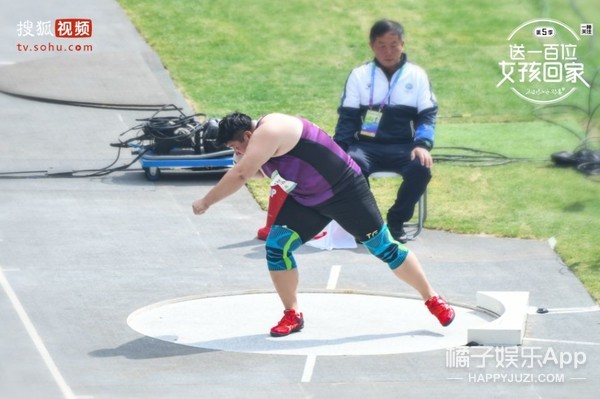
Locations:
column 233, row 126
column 384, row 26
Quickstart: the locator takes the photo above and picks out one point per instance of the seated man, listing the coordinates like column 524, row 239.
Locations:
column 387, row 119
column 327, row 185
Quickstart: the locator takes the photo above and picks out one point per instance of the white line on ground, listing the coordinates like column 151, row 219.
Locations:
column 35, row 337
column 560, row 341
column 333, row 277
column 583, row 309
column 309, row 367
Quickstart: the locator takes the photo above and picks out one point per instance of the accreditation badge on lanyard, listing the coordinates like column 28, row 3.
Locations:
column 370, row 124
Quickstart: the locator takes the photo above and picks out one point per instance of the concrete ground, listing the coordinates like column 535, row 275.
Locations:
column 80, row 255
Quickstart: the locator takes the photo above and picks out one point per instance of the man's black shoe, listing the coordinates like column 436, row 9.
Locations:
column 399, row 235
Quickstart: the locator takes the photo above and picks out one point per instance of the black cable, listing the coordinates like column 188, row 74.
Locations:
column 107, row 169
column 36, row 174
column 22, row 172
column 476, row 157
column 124, row 107
column 151, row 129
column 165, row 128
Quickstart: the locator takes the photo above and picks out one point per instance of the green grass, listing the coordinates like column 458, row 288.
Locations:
column 508, row 202
column 265, row 56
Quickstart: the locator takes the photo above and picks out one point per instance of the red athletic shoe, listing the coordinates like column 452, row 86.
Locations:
column 290, row 323
column 440, row 309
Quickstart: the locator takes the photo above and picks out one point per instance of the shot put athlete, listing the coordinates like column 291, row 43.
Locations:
column 328, row 186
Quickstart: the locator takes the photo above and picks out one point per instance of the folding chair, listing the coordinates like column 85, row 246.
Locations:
column 412, row 229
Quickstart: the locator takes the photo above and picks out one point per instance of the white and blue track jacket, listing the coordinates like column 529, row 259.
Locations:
column 409, row 109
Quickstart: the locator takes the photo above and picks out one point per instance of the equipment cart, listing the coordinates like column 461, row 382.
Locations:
column 177, row 141
column 152, row 163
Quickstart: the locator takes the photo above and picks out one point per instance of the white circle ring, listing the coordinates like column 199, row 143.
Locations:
column 335, row 324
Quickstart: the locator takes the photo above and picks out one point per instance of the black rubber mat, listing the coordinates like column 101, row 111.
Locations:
column 103, row 79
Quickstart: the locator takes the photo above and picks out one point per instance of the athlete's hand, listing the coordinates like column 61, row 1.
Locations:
column 199, row 207
column 423, row 155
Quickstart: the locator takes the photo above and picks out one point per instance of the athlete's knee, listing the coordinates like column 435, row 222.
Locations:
column 281, row 242
column 383, row 246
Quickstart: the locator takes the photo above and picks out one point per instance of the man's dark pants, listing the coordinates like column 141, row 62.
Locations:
column 375, row 157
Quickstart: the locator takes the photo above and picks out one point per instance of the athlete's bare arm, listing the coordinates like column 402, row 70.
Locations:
column 277, row 135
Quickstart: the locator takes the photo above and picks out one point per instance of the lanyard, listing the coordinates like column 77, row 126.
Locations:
column 392, row 86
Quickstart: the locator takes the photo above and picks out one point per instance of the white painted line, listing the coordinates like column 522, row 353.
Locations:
column 334, row 275
column 560, row 341
column 309, row 367
column 584, row 309
column 35, row 337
